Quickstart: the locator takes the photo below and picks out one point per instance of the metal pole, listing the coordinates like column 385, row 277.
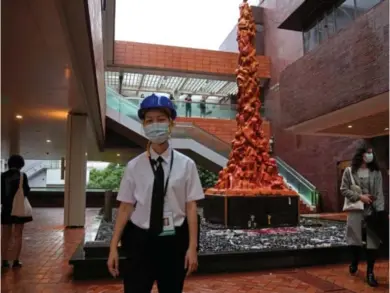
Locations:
column 107, row 215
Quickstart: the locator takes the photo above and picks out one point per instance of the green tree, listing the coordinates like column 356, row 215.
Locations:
column 207, row 178
column 109, row 178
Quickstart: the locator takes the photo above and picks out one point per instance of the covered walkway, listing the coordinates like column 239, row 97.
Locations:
column 48, row 247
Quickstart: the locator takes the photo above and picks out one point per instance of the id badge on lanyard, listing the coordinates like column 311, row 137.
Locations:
column 168, row 225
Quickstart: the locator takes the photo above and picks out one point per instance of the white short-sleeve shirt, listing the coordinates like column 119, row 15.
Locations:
column 183, row 186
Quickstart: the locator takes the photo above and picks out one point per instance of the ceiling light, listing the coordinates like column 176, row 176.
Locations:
column 48, row 140
column 118, row 155
column 349, row 126
column 86, row 154
column 67, row 72
column 387, row 128
column 19, row 116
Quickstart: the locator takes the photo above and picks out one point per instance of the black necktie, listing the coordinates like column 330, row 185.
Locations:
column 157, row 209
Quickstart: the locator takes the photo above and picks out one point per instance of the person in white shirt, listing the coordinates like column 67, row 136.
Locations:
column 157, row 221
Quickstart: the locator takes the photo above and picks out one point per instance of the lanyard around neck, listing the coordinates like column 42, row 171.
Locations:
column 152, row 164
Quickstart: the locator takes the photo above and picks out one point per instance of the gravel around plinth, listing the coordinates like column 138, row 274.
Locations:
column 311, row 233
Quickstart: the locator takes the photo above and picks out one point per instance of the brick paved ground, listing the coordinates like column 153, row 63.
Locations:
column 48, row 247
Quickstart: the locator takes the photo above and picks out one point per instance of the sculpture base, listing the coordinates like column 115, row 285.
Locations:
column 252, row 212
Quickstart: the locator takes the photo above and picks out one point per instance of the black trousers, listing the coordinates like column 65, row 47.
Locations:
column 188, row 110
column 154, row 258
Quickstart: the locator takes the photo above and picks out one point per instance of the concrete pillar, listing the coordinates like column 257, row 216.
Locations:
column 75, row 171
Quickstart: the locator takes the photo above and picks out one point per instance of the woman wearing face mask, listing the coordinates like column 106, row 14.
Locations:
column 157, row 219
column 364, row 173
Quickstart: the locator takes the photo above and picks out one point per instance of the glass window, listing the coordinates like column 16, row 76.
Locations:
column 330, row 23
column 311, row 39
column 334, row 20
column 345, row 14
column 362, row 6
column 306, row 36
column 322, row 30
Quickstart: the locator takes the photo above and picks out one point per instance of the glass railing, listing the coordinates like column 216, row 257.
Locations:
column 181, row 129
column 306, row 189
column 192, row 109
column 212, row 110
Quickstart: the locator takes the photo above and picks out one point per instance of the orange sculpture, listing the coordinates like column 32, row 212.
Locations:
column 250, row 171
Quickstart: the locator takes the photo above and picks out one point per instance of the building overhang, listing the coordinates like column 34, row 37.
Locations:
column 369, row 118
column 306, row 14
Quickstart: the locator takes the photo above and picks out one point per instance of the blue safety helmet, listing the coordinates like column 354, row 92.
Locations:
column 156, row 102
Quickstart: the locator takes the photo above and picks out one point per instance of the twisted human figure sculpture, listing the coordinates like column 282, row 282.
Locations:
column 250, row 170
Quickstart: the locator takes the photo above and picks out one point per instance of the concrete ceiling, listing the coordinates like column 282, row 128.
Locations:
column 34, row 80
column 37, row 81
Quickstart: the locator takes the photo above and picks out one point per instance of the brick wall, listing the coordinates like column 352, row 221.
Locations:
column 314, row 157
column 170, row 58
column 223, row 129
column 351, row 66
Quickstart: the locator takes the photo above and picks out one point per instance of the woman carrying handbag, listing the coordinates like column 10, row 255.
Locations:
column 15, row 210
column 362, row 188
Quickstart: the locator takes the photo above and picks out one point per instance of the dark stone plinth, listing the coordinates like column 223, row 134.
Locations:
column 313, row 242
column 258, row 211
column 96, row 248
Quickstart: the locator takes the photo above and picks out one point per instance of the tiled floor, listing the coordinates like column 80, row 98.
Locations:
column 47, row 248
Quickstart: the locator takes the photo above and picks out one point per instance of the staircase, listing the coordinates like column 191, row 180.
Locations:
column 205, row 149
column 35, row 167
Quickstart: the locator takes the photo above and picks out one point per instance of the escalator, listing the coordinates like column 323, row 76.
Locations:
column 204, row 148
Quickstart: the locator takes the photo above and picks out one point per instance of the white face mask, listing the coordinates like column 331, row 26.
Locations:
column 368, row 157
column 157, row 132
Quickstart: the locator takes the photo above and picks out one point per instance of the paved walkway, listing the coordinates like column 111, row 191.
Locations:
column 48, row 247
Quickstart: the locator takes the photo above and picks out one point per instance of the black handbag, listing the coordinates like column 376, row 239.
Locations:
column 378, row 222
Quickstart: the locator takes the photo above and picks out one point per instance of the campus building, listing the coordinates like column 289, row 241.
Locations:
column 74, row 90
column 70, row 96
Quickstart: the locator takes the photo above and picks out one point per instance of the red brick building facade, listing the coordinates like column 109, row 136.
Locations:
column 350, row 66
